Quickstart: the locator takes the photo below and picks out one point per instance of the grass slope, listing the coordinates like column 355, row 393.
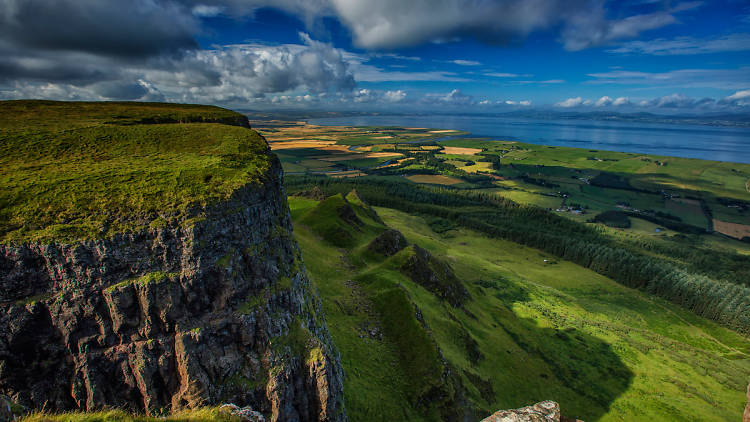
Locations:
column 604, row 351
column 196, row 415
column 535, row 329
column 376, row 389
column 87, row 170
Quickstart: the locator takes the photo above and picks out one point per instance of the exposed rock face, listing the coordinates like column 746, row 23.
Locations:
column 746, row 416
column 388, row 243
column 435, row 276
column 546, row 411
column 212, row 309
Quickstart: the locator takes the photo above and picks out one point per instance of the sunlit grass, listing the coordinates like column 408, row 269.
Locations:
column 88, row 170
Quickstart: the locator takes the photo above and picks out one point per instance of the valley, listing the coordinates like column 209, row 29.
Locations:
column 534, row 327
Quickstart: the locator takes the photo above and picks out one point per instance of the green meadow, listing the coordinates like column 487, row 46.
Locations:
column 535, row 328
column 87, row 170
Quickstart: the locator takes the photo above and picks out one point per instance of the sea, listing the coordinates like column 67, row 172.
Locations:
column 719, row 143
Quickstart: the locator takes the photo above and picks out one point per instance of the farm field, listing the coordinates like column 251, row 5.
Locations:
column 681, row 195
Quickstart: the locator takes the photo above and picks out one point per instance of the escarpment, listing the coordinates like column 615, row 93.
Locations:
column 192, row 308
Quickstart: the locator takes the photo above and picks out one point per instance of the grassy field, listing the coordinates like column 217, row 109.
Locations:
column 535, row 328
column 87, row 170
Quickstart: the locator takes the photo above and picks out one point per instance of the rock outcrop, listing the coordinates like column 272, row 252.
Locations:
column 436, row 276
column 546, row 411
column 388, row 243
column 208, row 308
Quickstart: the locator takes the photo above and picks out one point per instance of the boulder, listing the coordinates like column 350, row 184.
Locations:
column 388, row 243
column 247, row 414
column 546, row 411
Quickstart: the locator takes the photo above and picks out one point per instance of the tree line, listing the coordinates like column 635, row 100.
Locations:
column 725, row 302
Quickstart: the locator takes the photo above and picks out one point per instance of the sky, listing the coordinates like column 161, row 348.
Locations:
column 687, row 57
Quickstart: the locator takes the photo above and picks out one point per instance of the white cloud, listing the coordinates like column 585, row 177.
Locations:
column 739, row 95
column 455, row 97
column 365, row 95
column 394, row 96
column 205, row 11
column 501, row 75
column 364, row 72
column 525, row 103
column 692, row 78
column 739, row 98
column 397, row 23
column 570, row 102
column 235, row 74
column 607, row 101
column 621, row 101
column 679, row 101
column 466, row 62
column 604, row 101
column 686, row 45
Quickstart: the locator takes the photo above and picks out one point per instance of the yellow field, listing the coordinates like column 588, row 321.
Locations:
column 300, row 144
column 461, row 151
column 357, row 156
column 435, row 179
column 737, row 231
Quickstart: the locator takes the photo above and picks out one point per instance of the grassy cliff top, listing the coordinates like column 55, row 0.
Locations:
column 73, row 170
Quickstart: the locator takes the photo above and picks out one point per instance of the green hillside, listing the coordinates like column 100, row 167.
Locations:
column 534, row 327
column 87, row 170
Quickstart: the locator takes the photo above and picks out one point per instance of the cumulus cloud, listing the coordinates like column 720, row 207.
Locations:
column 739, row 95
column 230, row 74
column 621, row 101
column 604, row 101
column 365, row 95
column 679, row 101
column 455, row 97
column 676, row 101
column 394, row 96
column 573, row 102
column 607, row 101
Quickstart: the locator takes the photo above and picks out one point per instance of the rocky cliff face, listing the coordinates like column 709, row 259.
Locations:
column 206, row 308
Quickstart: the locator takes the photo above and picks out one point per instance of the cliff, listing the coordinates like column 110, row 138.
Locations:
column 170, row 304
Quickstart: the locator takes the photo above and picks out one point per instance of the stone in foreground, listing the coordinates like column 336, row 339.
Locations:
column 546, row 411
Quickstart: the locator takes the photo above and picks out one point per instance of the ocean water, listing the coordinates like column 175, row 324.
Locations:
column 690, row 141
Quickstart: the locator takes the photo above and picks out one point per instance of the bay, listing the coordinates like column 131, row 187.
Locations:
column 717, row 143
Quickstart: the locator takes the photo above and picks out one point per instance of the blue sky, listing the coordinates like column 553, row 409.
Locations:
column 470, row 55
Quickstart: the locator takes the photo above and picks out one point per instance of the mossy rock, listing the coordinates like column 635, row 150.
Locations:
column 388, row 243
column 434, row 275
